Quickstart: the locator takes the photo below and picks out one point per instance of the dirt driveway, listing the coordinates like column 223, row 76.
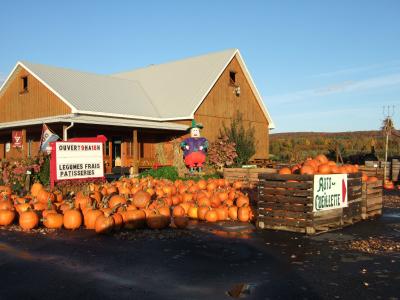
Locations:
column 205, row 262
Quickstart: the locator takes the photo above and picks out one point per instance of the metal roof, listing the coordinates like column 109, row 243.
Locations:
column 109, row 121
column 96, row 93
column 179, row 87
column 165, row 92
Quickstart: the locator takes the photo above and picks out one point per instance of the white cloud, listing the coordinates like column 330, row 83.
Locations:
column 380, row 66
column 338, row 88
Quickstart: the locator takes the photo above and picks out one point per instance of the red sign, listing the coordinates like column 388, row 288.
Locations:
column 17, row 138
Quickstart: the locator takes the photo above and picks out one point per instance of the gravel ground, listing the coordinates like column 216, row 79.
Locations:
column 220, row 261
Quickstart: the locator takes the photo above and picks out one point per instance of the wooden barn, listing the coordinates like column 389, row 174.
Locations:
column 138, row 111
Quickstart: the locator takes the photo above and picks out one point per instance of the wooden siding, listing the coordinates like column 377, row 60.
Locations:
column 37, row 102
column 221, row 104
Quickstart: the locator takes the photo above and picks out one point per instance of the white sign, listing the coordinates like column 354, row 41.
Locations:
column 76, row 160
column 330, row 192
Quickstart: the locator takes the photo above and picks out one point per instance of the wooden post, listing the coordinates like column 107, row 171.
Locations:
column 386, row 155
column 24, row 145
column 135, row 151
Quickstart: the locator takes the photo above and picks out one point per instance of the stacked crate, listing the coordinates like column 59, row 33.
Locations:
column 285, row 202
column 372, row 197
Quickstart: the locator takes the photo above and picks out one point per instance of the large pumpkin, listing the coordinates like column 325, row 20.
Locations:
column 244, row 214
column 6, row 217
column 141, row 199
column 28, row 220
column 155, row 220
column 72, row 219
column 211, row 216
column 36, row 188
column 104, row 224
column 181, row 222
column 134, row 219
column 90, row 218
column 307, row 169
column 116, row 200
column 285, row 171
column 53, row 220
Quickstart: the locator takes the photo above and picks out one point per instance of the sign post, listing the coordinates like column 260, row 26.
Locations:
column 76, row 159
column 330, row 192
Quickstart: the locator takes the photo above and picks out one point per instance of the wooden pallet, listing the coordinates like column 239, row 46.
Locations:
column 249, row 176
column 285, row 202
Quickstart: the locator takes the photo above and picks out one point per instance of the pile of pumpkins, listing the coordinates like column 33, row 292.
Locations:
column 319, row 165
column 128, row 203
column 322, row 165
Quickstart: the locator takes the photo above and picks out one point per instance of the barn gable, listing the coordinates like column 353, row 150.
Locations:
column 36, row 101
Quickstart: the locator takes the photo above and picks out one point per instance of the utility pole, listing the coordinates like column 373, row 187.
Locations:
column 387, row 128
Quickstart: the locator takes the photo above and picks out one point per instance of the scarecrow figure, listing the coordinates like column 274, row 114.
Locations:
column 194, row 148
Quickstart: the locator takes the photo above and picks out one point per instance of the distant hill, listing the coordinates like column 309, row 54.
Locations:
column 371, row 133
column 353, row 146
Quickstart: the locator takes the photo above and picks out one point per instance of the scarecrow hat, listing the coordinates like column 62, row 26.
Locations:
column 196, row 125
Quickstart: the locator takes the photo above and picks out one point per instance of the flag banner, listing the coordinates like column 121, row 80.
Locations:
column 17, row 136
column 47, row 137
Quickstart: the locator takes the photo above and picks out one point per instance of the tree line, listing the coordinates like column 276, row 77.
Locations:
column 353, row 147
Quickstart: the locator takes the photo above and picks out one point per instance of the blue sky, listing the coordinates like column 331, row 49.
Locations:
column 319, row 65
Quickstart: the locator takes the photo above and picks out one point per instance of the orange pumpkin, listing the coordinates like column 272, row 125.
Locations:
column 222, row 213
column 321, row 158
column 324, row 168
column 28, row 220
column 6, row 217
column 211, row 216
column 178, row 211
column 90, row 218
column 242, row 200
column 193, row 212
column 285, row 171
column 233, row 213
column 202, row 211
column 72, row 219
column 118, row 221
column 53, row 220
column 116, row 200
column 157, row 221
column 244, row 214
column 134, row 219
column 104, row 224
column 306, row 169
column 36, row 188
column 141, row 199
column 181, row 222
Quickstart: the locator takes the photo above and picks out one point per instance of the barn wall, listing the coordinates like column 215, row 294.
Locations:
column 221, row 104
column 37, row 102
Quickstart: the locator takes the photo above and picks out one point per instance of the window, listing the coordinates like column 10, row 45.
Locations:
column 232, row 77
column 24, row 84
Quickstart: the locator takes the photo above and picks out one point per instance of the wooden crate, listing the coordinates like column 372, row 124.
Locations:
column 372, row 197
column 249, row 176
column 285, row 202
